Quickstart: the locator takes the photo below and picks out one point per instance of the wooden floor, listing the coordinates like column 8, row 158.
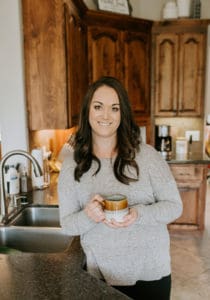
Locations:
column 191, row 262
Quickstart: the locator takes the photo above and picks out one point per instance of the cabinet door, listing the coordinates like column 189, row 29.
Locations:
column 45, row 66
column 103, row 52
column 136, row 64
column 179, row 74
column 166, row 74
column 77, row 75
column 191, row 181
column 191, row 74
column 190, row 200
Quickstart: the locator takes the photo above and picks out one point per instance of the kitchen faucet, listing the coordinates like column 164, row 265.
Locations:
column 37, row 171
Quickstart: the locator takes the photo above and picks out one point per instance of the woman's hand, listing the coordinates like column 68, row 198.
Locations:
column 94, row 209
column 129, row 219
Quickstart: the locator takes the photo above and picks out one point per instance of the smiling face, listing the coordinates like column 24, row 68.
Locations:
column 104, row 113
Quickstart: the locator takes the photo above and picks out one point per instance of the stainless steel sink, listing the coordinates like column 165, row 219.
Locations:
column 42, row 216
column 34, row 239
column 35, row 229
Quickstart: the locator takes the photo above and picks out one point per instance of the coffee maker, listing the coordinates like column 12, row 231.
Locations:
column 163, row 141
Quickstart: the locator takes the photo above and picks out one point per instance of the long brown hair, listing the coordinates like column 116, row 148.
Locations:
column 128, row 135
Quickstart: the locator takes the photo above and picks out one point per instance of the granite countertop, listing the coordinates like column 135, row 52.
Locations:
column 46, row 276
column 31, row 276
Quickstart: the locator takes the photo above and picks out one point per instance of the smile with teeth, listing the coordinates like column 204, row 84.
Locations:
column 105, row 123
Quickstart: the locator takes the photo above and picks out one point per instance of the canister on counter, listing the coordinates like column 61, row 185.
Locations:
column 181, row 148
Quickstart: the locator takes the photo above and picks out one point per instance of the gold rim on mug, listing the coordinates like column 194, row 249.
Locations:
column 115, row 202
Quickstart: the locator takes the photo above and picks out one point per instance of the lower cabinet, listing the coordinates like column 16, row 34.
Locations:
column 191, row 182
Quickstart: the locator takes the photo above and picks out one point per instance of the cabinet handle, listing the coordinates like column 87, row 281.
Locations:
column 185, row 189
column 186, row 174
column 189, row 188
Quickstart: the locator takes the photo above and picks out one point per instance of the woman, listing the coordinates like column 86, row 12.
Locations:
column 109, row 157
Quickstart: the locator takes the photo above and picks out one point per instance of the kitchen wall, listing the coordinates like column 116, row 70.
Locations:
column 178, row 126
column 141, row 8
column 152, row 9
column 13, row 124
column 13, row 119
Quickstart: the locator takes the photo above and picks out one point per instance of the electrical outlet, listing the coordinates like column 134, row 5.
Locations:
column 195, row 135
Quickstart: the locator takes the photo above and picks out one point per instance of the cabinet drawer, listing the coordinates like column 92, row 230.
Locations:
column 187, row 172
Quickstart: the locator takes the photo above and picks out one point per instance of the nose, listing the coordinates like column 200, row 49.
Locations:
column 106, row 113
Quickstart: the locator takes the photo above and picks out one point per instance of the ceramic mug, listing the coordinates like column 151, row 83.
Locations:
column 115, row 207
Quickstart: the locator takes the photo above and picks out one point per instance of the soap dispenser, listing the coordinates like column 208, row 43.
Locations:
column 13, row 181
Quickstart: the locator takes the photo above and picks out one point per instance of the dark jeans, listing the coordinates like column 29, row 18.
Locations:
column 148, row 290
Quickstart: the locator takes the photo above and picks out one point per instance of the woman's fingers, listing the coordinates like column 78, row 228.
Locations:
column 128, row 220
column 94, row 209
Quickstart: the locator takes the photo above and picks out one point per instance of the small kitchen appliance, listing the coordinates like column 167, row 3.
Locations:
column 163, row 141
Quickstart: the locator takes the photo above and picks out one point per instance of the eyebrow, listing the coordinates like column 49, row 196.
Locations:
column 99, row 102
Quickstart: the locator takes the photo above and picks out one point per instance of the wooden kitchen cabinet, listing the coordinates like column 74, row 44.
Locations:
column 55, row 68
column 104, row 52
column 76, row 63
column 179, row 59
column 125, row 55
column 136, row 66
column 67, row 46
column 45, row 71
column 191, row 182
column 120, row 46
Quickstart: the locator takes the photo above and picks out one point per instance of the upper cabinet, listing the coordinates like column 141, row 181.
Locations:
column 104, row 52
column 67, row 46
column 179, row 68
column 45, row 67
column 76, row 63
column 120, row 46
column 54, row 36
column 137, row 61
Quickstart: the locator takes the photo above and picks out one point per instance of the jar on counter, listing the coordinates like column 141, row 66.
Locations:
column 184, row 8
column 170, row 10
column 181, row 148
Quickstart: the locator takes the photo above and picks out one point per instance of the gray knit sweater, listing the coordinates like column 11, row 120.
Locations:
column 139, row 252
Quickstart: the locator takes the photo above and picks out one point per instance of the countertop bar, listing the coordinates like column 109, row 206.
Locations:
column 191, row 158
column 31, row 276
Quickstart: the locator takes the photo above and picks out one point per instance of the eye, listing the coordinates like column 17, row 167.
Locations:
column 97, row 107
column 115, row 108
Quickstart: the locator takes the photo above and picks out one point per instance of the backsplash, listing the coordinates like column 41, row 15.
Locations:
column 53, row 140
column 180, row 125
